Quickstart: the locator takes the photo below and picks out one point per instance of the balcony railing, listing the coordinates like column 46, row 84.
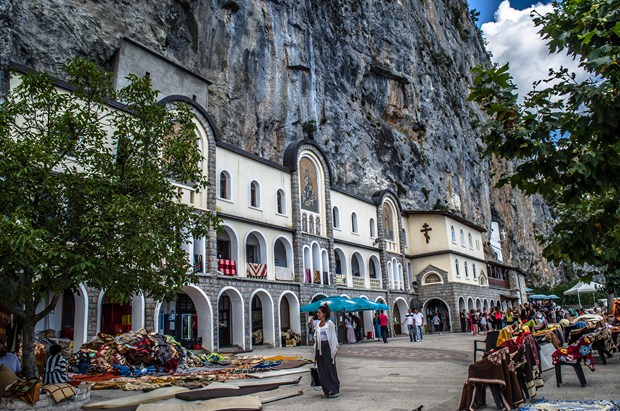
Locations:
column 284, row 274
column 358, row 282
column 341, row 280
column 375, row 284
column 496, row 282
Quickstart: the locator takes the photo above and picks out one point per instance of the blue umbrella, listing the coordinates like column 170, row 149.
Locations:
column 537, row 297
column 553, row 297
column 335, row 303
column 367, row 305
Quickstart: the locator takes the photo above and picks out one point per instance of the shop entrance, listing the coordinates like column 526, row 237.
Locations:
column 224, row 321
column 181, row 320
column 115, row 316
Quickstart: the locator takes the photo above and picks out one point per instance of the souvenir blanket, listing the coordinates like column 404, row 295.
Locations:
column 563, row 405
column 257, row 270
column 582, row 349
column 227, row 267
column 493, row 369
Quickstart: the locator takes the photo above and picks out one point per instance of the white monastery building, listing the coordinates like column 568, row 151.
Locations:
column 290, row 237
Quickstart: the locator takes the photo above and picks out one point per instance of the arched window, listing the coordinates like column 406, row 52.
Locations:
column 280, row 202
column 453, row 233
column 373, row 233
column 466, row 270
column 354, row 223
column 254, row 194
column 471, row 241
column 336, row 217
column 462, row 238
column 473, row 269
column 456, row 265
column 224, row 191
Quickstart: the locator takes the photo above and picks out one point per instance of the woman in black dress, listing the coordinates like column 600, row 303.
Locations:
column 325, row 347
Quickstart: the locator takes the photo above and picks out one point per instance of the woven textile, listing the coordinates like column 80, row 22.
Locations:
column 317, row 277
column 257, row 270
column 227, row 267
column 582, row 349
column 308, row 276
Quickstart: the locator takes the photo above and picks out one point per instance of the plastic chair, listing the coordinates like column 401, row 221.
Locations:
column 578, row 371
column 489, row 343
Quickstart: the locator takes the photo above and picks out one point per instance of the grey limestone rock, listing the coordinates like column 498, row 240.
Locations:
column 385, row 81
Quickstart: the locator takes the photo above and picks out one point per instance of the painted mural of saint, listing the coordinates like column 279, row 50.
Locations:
column 309, row 195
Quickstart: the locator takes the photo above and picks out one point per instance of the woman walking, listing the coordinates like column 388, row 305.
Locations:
column 325, row 347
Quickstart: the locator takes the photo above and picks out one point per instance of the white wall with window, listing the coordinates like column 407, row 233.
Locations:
column 240, row 172
column 364, row 211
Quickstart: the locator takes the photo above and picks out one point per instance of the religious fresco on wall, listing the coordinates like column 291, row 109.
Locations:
column 388, row 222
column 308, row 185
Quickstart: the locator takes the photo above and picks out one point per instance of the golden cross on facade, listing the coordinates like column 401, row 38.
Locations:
column 425, row 229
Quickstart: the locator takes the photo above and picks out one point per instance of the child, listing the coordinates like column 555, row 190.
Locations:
column 55, row 367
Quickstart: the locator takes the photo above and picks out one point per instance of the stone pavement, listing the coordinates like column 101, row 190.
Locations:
column 402, row 375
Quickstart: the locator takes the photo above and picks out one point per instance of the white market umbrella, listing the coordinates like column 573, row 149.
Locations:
column 582, row 287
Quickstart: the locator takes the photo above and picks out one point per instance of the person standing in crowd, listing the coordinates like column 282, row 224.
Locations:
column 357, row 327
column 498, row 319
column 418, row 319
column 410, row 325
column 8, row 358
column 383, row 322
column 377, row 326
column 348, row 323
column 325, row 348
column 475, row 322
column 436, row 322
column 446, row 318
column 509, row 316
column 483, row 323
column 463, row 318
column 55, row 367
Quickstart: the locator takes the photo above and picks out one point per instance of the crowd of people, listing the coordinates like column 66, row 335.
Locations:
column 541, row 313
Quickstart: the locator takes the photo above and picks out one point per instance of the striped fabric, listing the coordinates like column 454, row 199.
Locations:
column 257, row 270
column 227, row 267
column 55, row 370
column 308, row 276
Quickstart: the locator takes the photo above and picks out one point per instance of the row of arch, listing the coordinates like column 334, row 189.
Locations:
column 255, row 247
column 235, row 316
column 483, row 303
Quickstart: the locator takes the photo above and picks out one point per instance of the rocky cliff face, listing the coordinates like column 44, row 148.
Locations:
column 385, row 82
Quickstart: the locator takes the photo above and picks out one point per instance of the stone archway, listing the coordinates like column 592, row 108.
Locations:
column 189, row 318
column 437, row 305
column 231, row 320
column 398, row 315
column 262, row 327
column 289, row 314
column 118, row 317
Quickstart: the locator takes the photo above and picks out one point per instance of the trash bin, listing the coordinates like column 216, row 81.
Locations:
column 369, row 335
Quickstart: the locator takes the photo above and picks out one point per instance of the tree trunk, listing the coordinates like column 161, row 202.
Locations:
column 28, row 361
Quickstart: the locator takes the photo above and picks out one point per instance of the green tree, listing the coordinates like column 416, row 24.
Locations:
column 563, row 138
column 87, row 194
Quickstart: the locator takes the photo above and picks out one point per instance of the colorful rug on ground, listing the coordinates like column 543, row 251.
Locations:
column 560, row 405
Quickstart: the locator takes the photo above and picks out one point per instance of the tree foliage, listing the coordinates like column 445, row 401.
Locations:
column 87, row 194
column 563, row 138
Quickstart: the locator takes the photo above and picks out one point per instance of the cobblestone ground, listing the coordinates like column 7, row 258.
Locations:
column 402, row 375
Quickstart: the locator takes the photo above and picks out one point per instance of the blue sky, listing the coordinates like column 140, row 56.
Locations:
column 487, row 8
column 512, row 38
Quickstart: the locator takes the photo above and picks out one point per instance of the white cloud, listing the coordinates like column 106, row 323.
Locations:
column 512, row 38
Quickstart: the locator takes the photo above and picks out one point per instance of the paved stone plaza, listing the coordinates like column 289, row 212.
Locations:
column 402, row 375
